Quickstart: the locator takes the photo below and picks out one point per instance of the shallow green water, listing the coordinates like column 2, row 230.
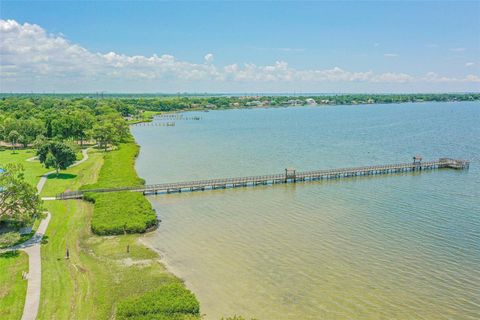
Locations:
column 403, row 246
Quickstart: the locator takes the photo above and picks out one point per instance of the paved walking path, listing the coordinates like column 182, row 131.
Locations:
column 33, row 249
column 43, row 179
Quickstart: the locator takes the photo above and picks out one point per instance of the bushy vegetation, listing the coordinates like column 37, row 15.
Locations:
column 9, row 238
column 121, row 212
column 172, row 301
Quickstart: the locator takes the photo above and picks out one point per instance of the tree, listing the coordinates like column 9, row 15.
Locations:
column 39, row 141
column 18, row 200
column 29, row 129
column 56, row 155
column 82, row 122
column 13, row 138
column 104, row 134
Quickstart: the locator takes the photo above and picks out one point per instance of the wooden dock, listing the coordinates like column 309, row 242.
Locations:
column 176, row 117
column 154, row 124
column 289, row 176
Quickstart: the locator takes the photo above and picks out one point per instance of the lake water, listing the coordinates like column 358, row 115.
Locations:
column 404, row 246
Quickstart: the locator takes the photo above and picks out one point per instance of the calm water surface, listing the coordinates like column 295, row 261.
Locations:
column 403, row 246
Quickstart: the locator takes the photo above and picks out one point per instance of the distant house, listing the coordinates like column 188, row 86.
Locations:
column 295, row 102
column 210, row 106
column 311, row 102
column 254, row 103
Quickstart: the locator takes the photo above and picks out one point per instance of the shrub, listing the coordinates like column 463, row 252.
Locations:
column 172, row 302
column 121, row 212
column 9, row 239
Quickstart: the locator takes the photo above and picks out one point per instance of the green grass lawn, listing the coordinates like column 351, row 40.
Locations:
column 33, row 169
column 12, row 287
column 118, row 168
column 100, row 273
column 73, row 178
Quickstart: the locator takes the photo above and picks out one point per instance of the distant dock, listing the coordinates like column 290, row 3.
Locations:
column 289, row 176
column 154, row 124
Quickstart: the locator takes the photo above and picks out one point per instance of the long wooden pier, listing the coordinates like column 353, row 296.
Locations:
column 154, row 124
column 289, row 176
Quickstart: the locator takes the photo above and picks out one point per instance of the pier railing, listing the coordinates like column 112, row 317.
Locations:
column 290, row 176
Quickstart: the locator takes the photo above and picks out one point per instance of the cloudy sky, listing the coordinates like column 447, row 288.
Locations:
column 226, row 46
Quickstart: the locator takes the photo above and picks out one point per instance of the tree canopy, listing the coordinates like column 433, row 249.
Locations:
column 58, row 155
column 19, row 201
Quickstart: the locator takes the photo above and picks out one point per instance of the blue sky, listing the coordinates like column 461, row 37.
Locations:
column 268, row 46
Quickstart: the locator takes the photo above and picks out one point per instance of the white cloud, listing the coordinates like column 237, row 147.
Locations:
column 390, row 55
column 28, row 54
column 469, row 64
column 208, row 58
column 287, row 49
column 435, row 77
column 458, row 49
column 393, row 77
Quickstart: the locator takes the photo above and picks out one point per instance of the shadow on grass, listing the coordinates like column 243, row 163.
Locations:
column 9, row 255
column 61, row 176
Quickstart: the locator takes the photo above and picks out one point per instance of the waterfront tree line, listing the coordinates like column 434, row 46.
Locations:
column 132, row 105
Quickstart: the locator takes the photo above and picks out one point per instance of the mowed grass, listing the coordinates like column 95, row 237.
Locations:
column 99, row 274
column 33, row 169
column 118, row 168
column 75, row 177
column 120, row 212
column 12, row 287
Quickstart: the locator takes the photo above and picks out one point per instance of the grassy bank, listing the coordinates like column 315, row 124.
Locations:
column 106, row 274
column 100, row 273
column 12, row 287
column 118, row 168
column 104, row 277
column 146, row 116
column 120, row 212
